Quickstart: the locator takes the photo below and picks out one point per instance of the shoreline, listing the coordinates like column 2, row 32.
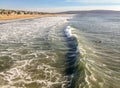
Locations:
column 10, row 17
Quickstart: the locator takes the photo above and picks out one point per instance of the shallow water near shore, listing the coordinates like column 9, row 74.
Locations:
column 81, row 51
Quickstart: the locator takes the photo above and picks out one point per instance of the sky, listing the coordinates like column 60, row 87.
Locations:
column 60, row 5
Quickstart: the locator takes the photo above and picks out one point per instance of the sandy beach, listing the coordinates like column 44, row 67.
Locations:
column 7, row 17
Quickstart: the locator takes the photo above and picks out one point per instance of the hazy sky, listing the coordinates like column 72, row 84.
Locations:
column 60, row 5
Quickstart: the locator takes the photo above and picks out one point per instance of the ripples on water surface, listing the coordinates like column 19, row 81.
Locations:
column 61, row 52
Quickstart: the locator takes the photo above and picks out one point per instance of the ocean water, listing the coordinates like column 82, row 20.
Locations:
column 74, row 51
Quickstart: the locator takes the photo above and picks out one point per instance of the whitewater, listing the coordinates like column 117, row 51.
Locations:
column 71, row 51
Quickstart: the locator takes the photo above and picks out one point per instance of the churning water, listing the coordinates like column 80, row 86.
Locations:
column 81, row 51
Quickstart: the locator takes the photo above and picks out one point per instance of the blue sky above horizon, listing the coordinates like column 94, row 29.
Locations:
column 53, row 4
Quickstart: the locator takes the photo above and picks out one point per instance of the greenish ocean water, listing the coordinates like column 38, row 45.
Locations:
column 80, row 51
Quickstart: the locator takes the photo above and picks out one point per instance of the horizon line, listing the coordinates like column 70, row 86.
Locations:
column 63, row 9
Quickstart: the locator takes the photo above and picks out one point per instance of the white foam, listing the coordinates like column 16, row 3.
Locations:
column 68, row 31
column 16, row 33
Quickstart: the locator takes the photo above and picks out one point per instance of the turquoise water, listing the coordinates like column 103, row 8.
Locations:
column 80, row 51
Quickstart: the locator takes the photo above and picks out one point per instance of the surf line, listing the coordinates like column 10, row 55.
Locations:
column 71, row 56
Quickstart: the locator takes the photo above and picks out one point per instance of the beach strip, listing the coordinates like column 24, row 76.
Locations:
column 8, row 17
